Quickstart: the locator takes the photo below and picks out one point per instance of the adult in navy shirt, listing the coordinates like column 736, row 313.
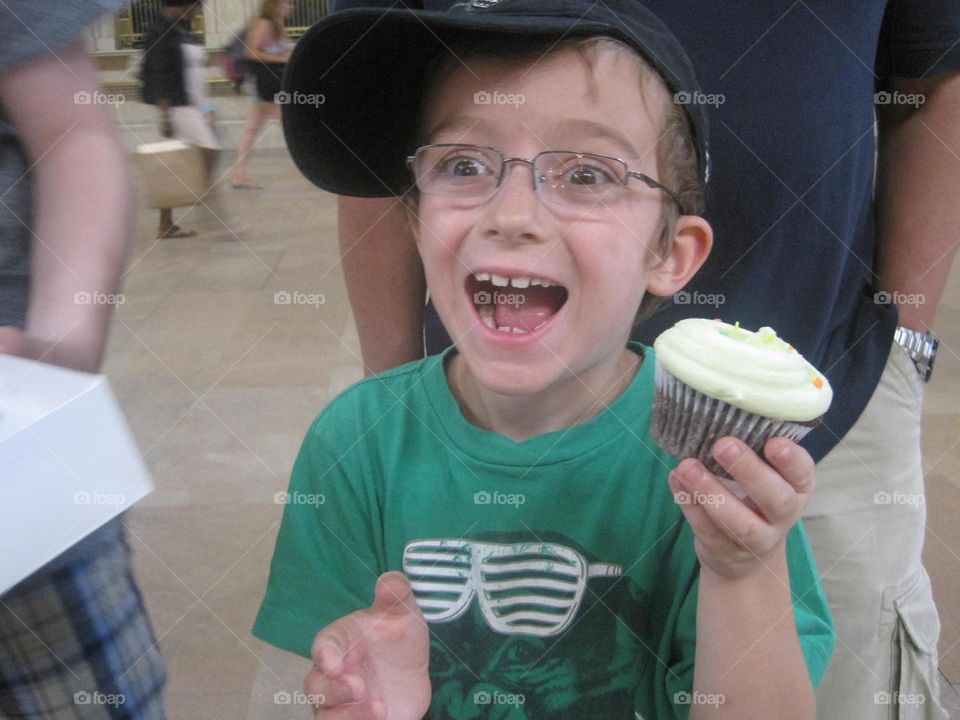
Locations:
column 806, row 243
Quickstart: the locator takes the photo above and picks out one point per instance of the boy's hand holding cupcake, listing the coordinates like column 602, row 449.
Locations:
column 734, row 537
column 725, row 397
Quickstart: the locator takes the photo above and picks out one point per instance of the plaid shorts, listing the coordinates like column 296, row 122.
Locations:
column 75, row 641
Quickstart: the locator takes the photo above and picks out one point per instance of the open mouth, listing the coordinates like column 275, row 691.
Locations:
column 518, row 304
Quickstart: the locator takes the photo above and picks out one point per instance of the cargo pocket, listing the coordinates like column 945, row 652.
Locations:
column 915, row 655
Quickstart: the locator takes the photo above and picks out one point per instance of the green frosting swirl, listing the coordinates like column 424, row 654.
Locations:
column 755, row 371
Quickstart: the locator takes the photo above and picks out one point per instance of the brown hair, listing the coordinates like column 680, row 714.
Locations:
column 268, row 12
column 677, row 157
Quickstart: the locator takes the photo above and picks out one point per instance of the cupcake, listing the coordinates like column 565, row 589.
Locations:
column 715, row 379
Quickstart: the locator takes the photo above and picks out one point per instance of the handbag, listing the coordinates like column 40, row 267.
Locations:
column 173, row 173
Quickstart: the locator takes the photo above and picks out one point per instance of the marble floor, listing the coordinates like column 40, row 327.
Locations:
column 219, row 383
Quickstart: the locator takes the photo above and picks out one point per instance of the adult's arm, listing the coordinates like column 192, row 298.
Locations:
column 917, row 191
column 385, row 282
column 83, row 208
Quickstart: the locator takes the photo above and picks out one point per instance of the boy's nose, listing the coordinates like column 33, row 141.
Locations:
column 515, row 211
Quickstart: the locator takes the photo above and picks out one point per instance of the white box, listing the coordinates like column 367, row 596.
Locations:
column 173, row 173
column 68, row 463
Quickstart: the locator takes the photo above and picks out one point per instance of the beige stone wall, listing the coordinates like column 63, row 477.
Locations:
column 221, row 18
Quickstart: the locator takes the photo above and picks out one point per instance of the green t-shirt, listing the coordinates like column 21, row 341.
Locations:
column 557, row 575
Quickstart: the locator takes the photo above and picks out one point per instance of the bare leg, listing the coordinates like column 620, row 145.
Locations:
column 166, row 222
column 167, row 229
column 259, row 113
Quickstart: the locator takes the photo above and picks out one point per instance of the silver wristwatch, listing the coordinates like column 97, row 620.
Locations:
column 920, row 346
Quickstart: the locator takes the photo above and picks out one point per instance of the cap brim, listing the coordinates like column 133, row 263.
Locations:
column 355, row 80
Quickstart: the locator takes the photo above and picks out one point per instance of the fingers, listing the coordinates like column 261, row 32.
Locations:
column 336, row 693
column 779, row 491
column 777, row 495
column 716, row 516
column 792, row 462
column 394, row 596
column 326, row 691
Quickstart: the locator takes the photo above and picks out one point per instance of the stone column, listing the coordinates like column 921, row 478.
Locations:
column 221, row 18
column 99, row 37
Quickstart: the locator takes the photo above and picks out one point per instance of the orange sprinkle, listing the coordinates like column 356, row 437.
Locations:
column 818, row 382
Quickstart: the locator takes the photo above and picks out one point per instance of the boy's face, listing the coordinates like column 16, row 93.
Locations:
column 599, row 259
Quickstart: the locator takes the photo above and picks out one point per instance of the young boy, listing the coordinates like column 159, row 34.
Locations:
column 561, row 564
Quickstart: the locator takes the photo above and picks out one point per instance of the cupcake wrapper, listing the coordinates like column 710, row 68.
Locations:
column 686, row 423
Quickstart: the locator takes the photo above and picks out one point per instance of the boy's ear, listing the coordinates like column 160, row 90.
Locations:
column 691, row 245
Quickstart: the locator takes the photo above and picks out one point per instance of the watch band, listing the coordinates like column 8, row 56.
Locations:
column 920, row 346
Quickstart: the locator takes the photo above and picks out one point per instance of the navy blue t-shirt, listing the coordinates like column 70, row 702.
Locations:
column 790, row 196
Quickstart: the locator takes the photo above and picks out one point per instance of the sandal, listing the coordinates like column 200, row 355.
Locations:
column 175, row 231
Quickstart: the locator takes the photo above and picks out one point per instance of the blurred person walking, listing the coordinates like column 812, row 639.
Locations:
column 175, row 80
column 267, row 51
column 75, row 640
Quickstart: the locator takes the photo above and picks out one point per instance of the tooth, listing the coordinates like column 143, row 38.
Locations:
column 486, row 315
column 520, row 282
column 498, row 280
column 535, row 281
column 504, row 328
column 519, row 331
column 546, row 284
column 482, row 276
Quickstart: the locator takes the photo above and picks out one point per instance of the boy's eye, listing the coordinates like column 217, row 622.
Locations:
column 463, row 167
column 588, row 175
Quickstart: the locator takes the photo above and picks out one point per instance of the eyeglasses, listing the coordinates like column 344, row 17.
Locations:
column 523, row 588
column 563, row 177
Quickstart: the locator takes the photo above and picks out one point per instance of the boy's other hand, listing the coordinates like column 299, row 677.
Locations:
column 372, row 664
column 734, row 537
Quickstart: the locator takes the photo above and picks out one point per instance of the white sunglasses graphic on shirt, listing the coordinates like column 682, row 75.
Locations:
column 530, row 588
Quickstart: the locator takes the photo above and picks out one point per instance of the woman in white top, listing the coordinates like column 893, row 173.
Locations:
column 267, row 51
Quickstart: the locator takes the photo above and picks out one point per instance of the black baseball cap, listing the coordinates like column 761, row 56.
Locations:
column 353, row 85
